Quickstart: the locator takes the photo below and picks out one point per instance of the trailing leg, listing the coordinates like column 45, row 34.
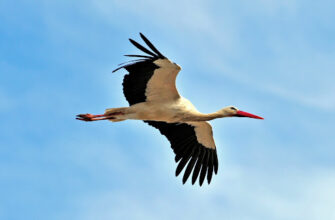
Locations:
column 112, row 114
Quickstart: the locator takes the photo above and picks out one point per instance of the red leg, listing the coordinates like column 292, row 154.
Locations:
column 90, row 117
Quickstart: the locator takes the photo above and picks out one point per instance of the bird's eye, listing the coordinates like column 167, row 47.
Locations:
column 233, row 108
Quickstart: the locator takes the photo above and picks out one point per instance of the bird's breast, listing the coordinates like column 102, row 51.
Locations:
column 174, row 111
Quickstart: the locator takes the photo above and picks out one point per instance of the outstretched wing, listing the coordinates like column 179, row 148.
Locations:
column 193, row 144
column 150, row 78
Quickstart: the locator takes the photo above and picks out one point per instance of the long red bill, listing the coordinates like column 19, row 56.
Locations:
column 246, row 114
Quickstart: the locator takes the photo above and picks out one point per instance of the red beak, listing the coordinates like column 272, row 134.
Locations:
column 246, row 114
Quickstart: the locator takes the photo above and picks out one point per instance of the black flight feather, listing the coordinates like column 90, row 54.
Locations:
column 216, row 163
column 152, row 47
column 210, row 167
column 133, row 55
column 145, row 50
column 185, row 152
column 183, row 162
column 128, row 63
column 132, row 61
column 204, row 168
column 191, row 164
column 198, row 165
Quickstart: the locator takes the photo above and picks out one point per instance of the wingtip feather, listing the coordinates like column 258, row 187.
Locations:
column 151, row 46
column 140, row 47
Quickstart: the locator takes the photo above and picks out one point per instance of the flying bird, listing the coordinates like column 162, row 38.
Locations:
column 150, row 89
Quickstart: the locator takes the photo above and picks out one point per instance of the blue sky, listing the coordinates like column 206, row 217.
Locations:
column 268, row 57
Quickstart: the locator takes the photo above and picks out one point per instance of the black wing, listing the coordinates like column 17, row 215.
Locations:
column 187, row 148
column 135, row 83
column 140, row 71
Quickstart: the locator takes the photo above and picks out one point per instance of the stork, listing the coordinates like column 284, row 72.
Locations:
column 150, row 89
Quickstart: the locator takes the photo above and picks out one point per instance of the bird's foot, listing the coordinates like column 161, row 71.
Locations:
column 85, row 117
column 90, row 117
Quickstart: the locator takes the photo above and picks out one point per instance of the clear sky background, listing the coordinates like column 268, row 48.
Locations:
column 273, row 58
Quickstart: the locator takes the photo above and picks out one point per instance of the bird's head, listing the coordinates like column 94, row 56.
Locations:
column 231, row 111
